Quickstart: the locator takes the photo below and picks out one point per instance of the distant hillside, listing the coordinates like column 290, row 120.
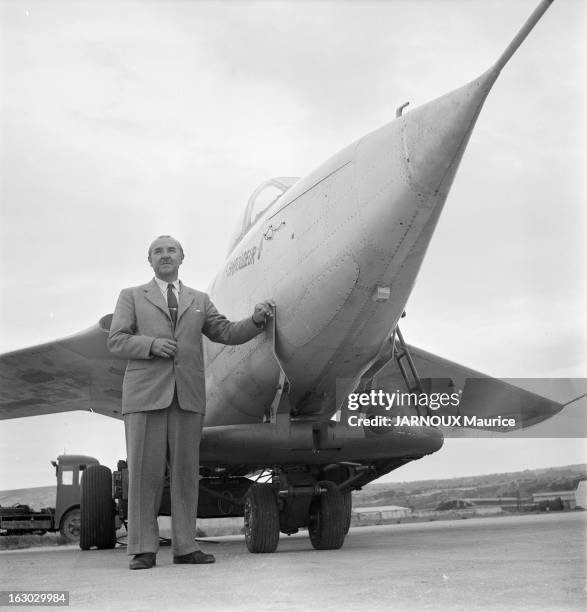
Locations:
column 419, row 495
column 427, row 494
column 36, row 497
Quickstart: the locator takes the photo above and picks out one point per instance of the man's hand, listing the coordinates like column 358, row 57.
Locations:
column 263, row 312
column 163, row 347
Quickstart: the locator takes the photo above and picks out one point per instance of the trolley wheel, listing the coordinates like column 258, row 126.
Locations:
column 261, row 519
column 328, row 518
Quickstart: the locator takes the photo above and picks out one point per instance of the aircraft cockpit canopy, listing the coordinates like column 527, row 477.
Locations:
column 260, row 201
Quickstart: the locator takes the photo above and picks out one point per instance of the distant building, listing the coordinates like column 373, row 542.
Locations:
column 380, row 513
column 555, row 500
column 581, row 495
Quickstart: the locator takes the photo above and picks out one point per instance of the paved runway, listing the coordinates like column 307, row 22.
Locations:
column 516, row 563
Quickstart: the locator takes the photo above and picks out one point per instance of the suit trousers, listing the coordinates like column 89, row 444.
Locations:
column 153, row 438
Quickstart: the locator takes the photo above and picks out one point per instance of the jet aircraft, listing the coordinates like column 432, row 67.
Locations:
column 339, row 251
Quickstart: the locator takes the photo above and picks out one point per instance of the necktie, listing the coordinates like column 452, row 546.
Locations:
column 172, row 303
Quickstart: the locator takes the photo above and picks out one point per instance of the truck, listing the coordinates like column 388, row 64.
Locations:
column 65, row 516
column 92, row 503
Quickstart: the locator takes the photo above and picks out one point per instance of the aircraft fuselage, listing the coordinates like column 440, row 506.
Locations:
column 339, row 253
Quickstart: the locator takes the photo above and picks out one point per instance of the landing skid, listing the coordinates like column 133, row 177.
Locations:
column 395, row 349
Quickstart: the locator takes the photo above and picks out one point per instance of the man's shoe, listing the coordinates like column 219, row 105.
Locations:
column 143, row 561
column 198, row 556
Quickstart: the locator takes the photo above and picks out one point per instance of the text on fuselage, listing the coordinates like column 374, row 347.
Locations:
column 247, row 258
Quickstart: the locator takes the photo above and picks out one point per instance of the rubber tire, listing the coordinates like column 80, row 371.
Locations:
column 261, row 519
column 97, row 509
column 328, row 520
column 347, row 499
column 70, row 526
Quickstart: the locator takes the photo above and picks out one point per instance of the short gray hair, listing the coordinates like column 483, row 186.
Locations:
column 166, row 236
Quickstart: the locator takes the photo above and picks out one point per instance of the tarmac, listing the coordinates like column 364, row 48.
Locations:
column 531, row 562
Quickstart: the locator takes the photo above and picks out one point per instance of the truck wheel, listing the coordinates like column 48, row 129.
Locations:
column 347, row 499
column 328, row 518
column 261, row 519
column 70, row 526
column 97, row 509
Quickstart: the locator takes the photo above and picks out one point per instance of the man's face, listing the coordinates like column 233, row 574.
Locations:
column 165, row 258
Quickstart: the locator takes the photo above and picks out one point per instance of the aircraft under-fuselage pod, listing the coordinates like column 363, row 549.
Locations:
column 339, row 251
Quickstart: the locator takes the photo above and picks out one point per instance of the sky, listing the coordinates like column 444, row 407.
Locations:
column 123, row 121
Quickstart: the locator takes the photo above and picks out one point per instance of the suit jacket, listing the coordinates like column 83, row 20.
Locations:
column 141, row 316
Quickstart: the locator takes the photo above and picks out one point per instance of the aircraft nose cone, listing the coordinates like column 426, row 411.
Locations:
column 436, row 134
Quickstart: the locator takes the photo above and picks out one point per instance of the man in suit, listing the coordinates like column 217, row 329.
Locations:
column 158, row 327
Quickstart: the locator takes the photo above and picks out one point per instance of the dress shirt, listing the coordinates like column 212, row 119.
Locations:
column 163, row 286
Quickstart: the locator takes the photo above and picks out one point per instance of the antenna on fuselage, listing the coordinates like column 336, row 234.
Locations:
column 400, row 109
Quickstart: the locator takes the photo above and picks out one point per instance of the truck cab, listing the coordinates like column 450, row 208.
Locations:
column 68, row 470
